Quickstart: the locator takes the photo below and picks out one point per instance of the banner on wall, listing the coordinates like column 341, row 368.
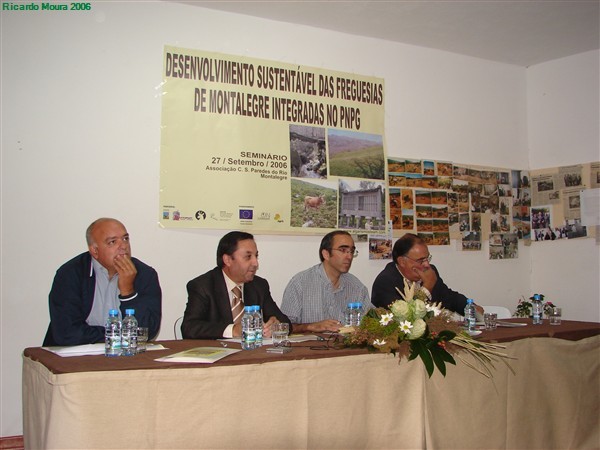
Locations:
column 267, row 146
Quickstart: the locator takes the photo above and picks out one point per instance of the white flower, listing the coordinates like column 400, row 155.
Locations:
column 406, row 326
column 386, row 318
column 379, row 342
column 435, row 307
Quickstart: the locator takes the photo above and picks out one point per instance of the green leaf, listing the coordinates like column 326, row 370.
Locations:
column 427, row 360
column 438, row 359
column 446, row 335
column 420, row 349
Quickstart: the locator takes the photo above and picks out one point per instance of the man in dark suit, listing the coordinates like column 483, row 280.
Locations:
column 213, row 309
column 411, row 260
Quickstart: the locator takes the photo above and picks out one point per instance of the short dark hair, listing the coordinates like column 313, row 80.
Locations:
column 327, row 242
column 229, row 244
column 404, row 244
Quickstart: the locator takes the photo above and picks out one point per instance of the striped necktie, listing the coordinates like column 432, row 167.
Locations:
column 237, row 307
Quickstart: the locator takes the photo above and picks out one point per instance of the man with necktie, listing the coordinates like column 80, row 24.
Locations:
column 217, row 298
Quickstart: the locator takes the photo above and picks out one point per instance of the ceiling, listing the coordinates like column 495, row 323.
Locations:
column 515, row 32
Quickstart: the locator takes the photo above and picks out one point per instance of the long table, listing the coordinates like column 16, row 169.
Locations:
column 320, row 398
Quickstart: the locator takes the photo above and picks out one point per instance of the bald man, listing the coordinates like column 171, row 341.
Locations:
column 103, row 278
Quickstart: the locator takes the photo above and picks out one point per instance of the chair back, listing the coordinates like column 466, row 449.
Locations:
column 177, row 328
column 501, row 311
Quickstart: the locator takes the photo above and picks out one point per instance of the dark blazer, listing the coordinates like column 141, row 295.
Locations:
column 208, row 310
column 384, row 290
column 72, row 296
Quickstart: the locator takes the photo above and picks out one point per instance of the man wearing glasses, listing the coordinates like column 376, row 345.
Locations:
column 411, row 260
column 315, row 299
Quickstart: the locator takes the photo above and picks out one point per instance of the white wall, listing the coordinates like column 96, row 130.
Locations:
column 563, row 103
column 81, row 134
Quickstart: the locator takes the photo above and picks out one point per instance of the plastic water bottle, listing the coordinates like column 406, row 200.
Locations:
column 248, row 334
column 356, row 314
column 258, row 327
column 470, row 315
column 129, row 333
column 536, row 309
column 348, row 315
column 112, row 334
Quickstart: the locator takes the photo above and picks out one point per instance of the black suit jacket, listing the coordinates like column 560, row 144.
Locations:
column 384, row 290
column 208, row 310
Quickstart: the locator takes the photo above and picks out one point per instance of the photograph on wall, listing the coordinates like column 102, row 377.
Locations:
column 471, row 241
column 444, row 169
column 239, row 133
column 503, row 246
column 380, row 247
column 569, row 177
column 595, row 175
column 308, row 156
column 361, row 205
column 541, row 223
column 521, row 222
column 314, row 204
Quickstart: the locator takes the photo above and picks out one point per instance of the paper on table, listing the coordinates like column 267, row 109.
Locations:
column 269, row 341
column 89, row 349
column 199, row 355
column 510, row 324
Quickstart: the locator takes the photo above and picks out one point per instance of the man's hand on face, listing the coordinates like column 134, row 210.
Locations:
column 127, row 272
column 427, row 276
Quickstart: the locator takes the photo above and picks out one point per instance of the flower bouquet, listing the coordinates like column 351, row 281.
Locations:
column 413, row 328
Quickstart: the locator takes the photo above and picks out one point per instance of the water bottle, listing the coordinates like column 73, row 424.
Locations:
column 248, row 335
column 348, row 315
column 356, row 314
column 112, row 334
column 470, row 315
column 129, row 334
column 258, row 327
column 536, row 309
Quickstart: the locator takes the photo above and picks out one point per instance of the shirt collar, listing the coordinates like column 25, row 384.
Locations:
column 231, row 284
column 99, row 268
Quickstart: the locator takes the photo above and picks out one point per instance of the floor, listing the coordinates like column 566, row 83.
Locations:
column 11, row 443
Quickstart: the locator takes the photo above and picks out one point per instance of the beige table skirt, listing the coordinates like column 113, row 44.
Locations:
column 358, row 401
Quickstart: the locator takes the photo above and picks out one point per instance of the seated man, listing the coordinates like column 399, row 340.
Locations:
column 103, row 278
column 315, row 300
column 217, row 298
column 411, row 260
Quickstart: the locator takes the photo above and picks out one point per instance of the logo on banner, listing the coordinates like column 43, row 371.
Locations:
column 166, row 215
column 200, row 215
column 246, row 214
column 176, row 215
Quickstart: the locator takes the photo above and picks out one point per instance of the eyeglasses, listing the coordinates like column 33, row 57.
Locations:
column 347, row 251
column 427, row 259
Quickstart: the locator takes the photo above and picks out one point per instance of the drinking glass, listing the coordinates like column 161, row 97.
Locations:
column 555, row 316
column 490, row 320
column 142, row 339
column 280, row 332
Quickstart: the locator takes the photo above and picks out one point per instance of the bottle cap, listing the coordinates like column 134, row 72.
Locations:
column 113, row 312
column 130, row 312
column 469, row 300
column 256, row 308
column 248, row 308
